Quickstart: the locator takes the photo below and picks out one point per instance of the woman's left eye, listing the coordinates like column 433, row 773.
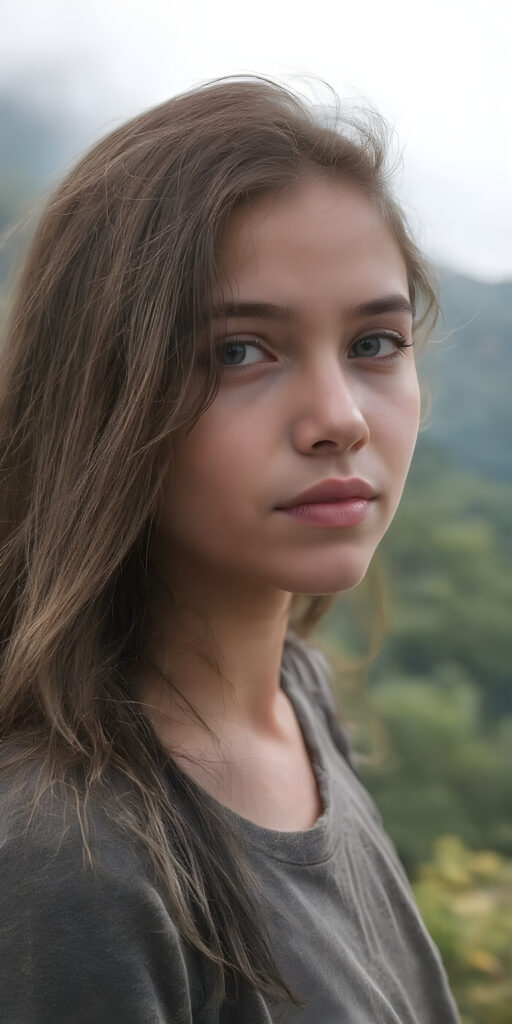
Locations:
column 397, row 341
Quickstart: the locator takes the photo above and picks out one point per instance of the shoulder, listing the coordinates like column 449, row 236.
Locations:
column 91, row 942
column 53, row 832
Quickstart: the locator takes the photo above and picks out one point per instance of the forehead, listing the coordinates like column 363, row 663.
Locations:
column 322, row 236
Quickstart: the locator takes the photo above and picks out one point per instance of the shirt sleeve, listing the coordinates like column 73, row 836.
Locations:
column 78, row 946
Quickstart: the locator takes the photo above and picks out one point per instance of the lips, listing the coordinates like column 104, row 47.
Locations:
column 333, row 489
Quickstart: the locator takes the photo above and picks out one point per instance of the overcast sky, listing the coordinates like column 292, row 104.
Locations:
column 440, row 72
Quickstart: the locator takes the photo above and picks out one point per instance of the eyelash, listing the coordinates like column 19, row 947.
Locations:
column 251, row 342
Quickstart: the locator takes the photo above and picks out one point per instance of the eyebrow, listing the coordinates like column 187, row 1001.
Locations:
column 395, row 303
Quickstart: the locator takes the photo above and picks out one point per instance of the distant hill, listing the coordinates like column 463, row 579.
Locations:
column 470, row 374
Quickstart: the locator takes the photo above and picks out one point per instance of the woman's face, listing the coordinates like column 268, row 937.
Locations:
column 313, row 402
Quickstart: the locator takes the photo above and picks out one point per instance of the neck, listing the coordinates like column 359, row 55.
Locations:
column 222, row 645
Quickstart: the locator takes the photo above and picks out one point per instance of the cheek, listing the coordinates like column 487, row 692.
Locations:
column 411, row 406
column 213, row 456
column 399, row 434
column 403, row 412
column 213, row 470
column 394, row 428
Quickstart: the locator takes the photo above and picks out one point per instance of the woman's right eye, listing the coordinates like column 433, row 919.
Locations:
column 235, row 350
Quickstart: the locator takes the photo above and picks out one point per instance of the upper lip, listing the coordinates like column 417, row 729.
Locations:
column 333, row 489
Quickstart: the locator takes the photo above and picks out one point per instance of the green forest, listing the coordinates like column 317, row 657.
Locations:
column 430, row 707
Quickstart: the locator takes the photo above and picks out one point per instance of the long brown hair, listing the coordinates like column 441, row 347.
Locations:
column 97, row 379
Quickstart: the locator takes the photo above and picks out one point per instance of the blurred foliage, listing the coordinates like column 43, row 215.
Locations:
column 465, row 899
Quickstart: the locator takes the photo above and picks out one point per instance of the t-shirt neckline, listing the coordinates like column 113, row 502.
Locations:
column 308, row 846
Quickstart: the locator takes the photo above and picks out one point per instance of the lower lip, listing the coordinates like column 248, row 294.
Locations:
column 350, row 512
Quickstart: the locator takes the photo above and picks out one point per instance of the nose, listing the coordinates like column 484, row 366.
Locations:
column 328, row 410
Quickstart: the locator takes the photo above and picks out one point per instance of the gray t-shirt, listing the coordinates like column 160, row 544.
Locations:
column 78, row 948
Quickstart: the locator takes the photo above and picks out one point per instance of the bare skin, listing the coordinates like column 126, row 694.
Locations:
column 312, row 403
column 268, row 780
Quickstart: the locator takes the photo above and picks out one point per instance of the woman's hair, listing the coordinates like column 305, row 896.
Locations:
column 98, row 383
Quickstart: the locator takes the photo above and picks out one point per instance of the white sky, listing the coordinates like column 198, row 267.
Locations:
column 440, row 72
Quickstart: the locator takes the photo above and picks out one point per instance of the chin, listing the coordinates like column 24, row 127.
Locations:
column 332, row 580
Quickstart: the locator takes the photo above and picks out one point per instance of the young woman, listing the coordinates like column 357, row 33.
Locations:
column 209, row 406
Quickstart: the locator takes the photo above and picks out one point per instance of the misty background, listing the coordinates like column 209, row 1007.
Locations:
column 431, row 714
